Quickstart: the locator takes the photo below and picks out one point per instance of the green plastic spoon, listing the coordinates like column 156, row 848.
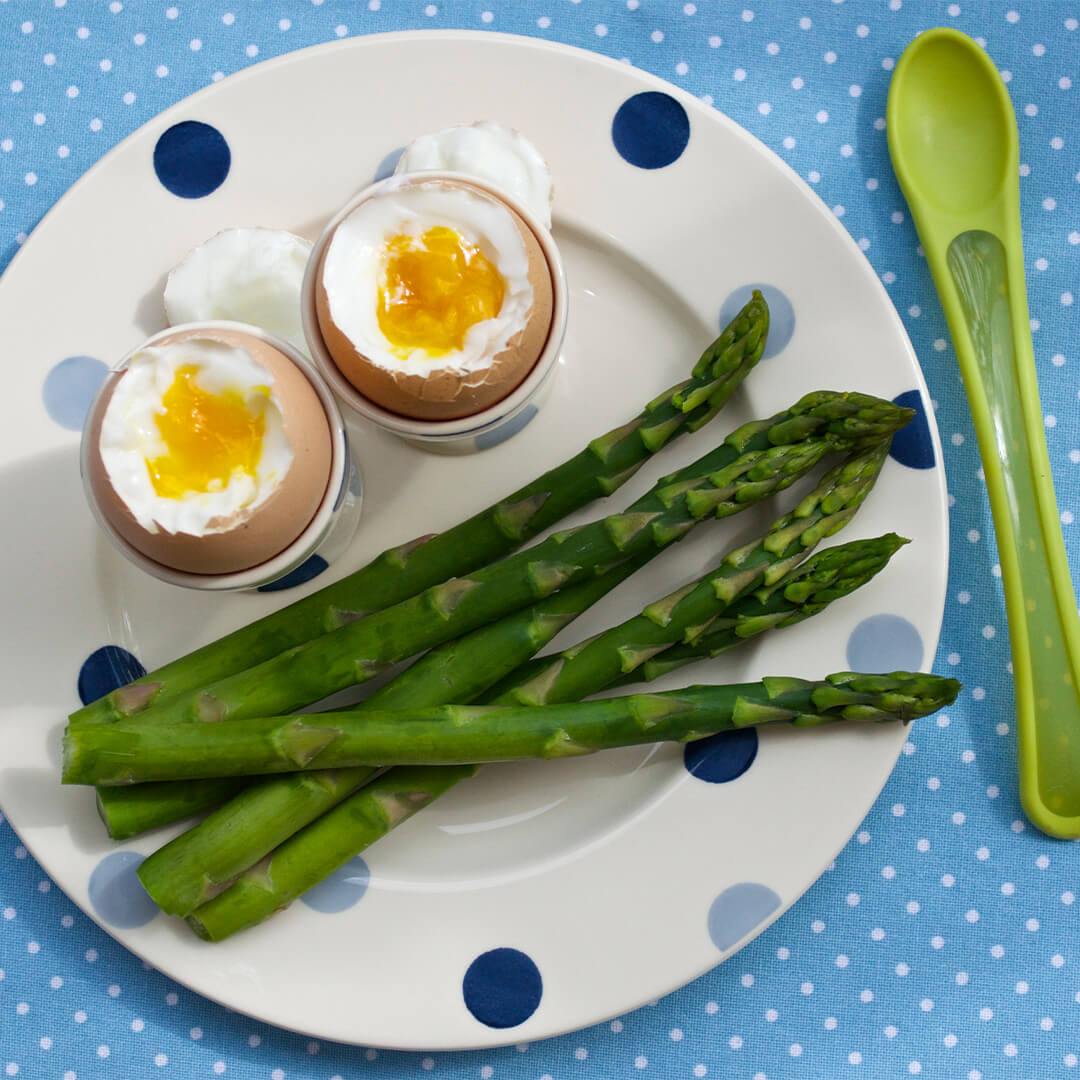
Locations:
column 955, row 148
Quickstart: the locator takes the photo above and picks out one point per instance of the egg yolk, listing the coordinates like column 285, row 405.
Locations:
column 434, row 288
column 208, row 436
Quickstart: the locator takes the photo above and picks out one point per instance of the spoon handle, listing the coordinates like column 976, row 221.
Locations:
column 986, row 308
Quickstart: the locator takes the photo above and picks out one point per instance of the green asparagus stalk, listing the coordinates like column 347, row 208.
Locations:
column 334, row 838
column 128, row 752
column 805, row 591
column 128, row 811
column 404, row 571
column 752, row 463
column 689, row 612
column 556, row 731
column 200, row 863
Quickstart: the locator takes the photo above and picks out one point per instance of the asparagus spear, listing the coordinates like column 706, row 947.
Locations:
column 556, row 731
column 803, row 592
column 752, row 463
column 200, row 863
column 126, row 812
column 352, row 826
column 128, row 752
column 688, row 613
column 400, row 572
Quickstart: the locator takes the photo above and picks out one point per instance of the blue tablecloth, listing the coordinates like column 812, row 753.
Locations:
column 943, row 941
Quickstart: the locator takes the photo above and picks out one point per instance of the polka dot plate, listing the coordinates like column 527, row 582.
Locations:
column 538, row 897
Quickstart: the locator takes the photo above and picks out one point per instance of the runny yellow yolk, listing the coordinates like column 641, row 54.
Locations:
column 208, row 436
column 434, row 288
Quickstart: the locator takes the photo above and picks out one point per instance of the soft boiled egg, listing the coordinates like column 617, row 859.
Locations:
column 210, row 452
column 434, row 297
column 491, row 152
column 249, row 275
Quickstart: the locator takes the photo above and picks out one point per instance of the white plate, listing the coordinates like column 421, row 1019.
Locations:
column 604, row 871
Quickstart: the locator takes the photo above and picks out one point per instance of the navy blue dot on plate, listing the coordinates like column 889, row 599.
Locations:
column 192, row 159
column 884, row 643
column 343, row 888
column 912, row 445
column 117, row 894
column 389, row 164
column 737, row 910
column 307, row 570
column 502, row 988
column 722, row 757
column 106, row 669
column 69, row 389
column 781, row 314
column 650, row 130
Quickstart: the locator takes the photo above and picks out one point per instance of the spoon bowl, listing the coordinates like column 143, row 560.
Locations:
column 952, row 126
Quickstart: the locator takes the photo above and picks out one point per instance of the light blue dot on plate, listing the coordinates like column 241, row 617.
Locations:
column 310, row 568
column 781, row 314
column 502, row 988
column 356, row 480
column 343, row 888
column 389, row 164
column 106, row 669
column 650, row 130
column 722, row 757
column 488, row 439
column 912, row 445
column 117, row 894
column 192, row 159
column 737, row 910
column 69, row 389
column 884, row 643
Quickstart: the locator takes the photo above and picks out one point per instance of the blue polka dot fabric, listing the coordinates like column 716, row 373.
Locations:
column 942, row 940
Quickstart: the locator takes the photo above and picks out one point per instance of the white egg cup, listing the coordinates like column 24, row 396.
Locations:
column 329, row 531
column 481, row 430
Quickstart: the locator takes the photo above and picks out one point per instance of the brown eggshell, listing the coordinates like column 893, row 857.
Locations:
column 259, row 534
column 445, row 394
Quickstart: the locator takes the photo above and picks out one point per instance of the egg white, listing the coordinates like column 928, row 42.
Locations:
column 353, row 271
column 250, row 275
column 488, row 151
column 130, row 436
